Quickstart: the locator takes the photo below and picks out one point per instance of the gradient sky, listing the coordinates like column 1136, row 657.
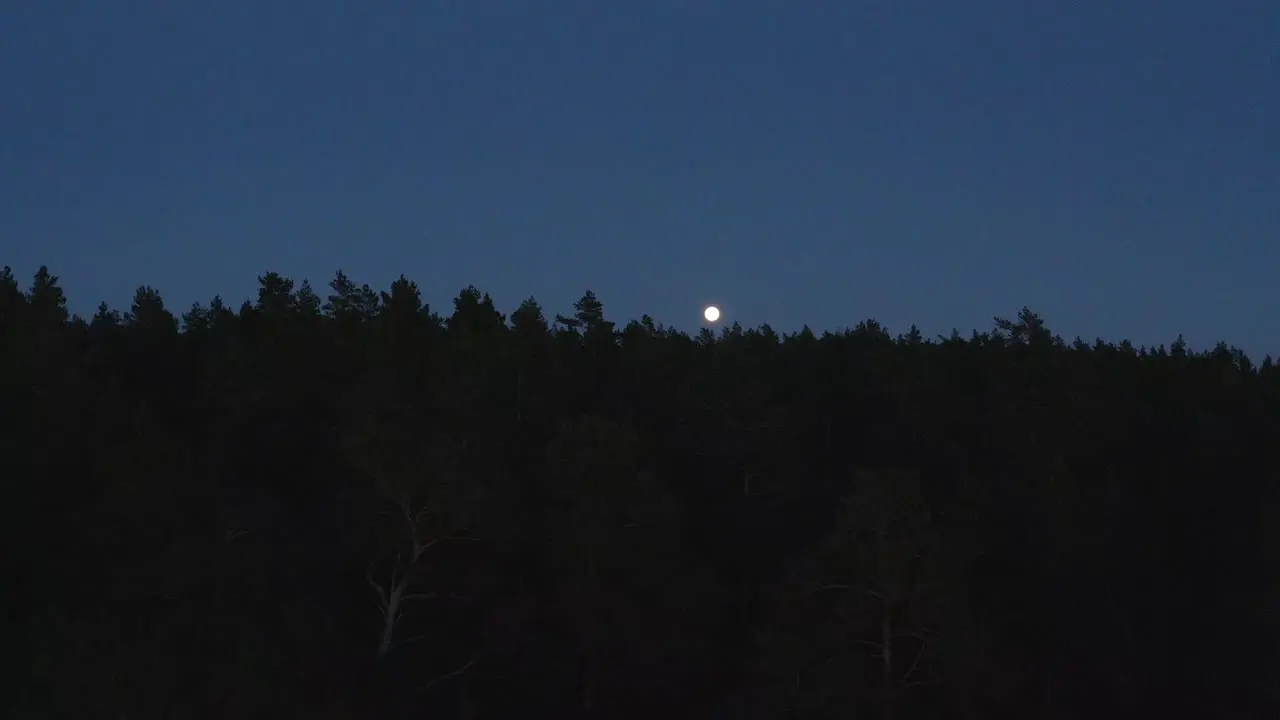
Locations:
column 1113, row 165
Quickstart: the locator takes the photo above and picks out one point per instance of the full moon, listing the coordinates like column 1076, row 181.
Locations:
column 712, row 313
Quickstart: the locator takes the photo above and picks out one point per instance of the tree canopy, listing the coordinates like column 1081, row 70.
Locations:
column 349, row 504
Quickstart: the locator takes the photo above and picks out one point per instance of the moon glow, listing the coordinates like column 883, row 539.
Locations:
column 712, row 313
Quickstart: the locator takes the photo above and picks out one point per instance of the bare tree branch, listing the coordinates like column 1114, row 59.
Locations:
column 838, row 586
column 382, row 594
column 906, row 678
column 450, row 674
column 393, row 597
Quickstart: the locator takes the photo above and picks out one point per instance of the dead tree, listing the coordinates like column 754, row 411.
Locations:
column 405, row 572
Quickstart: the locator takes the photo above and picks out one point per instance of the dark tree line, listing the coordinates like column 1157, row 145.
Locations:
column 348, row 505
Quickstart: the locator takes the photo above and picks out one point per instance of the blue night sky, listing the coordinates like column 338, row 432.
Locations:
column 1113, row 165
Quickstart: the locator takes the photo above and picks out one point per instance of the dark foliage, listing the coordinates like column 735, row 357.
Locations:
column 352, row 507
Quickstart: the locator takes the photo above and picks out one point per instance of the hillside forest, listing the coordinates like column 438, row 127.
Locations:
column 346, row 504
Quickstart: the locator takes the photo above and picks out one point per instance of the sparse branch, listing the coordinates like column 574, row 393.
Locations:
column 451, row 674
column 382, row 594
column 906, row 678
column 839, row 586
column 411, row 519
column 421, row 514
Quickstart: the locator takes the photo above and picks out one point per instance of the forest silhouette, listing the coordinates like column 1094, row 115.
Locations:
column 354, row 506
